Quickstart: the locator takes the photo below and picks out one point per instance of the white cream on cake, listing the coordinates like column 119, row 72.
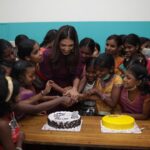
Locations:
column 64, row 119
column 118, row 122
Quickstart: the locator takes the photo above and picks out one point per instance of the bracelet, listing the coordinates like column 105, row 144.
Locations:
column 18, row 148
column 42, row 93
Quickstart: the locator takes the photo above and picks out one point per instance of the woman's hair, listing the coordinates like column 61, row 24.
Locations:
column 97, row 45
column 4, row 44
column 19, row 38
column 105, row 61
column 49, row 37
column 9, row 89
column 89, row 43
column 25, row 48
column 19, row 69
column 137, row 58
column 65, row 32
column 141, row 74
column 116, row 38
column 132, row 39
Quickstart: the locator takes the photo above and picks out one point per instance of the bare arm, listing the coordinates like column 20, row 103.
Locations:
column 82, row 84
column 31, row 108
column 111, row 100
column 5, row 136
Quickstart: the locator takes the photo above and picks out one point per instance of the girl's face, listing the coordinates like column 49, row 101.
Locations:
column 66, row 46
column 111, row 46
column 90, row 74
column 129, row 80
column 102, row 72
column 9, row 54
column 36, row 55
column 85, row 53
column 29, row 76
column 130, row 49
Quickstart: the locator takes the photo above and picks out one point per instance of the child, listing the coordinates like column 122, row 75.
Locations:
column 87, row 47
column 48, row 40
column 7, row 56
column 135, row 95
column 88, row 81
column 30, row 102
column 8, row 94
column 29, row 50
column 113, row 44
column 132, row 50
column 108, row 84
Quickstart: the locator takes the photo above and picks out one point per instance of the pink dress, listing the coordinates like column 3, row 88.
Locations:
column 128, row 106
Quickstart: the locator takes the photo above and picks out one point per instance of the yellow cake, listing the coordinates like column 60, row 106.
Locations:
column 118, row 122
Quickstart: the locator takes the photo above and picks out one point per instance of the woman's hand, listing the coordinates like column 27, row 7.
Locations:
column 73, row 93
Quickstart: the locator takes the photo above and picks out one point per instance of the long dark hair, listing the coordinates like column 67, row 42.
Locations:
column 140, row 73
column 6, row 107
column 65, row 32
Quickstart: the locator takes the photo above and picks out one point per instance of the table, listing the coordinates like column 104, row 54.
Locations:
column 89, row 136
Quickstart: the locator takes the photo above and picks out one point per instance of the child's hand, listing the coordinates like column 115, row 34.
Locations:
column 47, row 88
column 91, row 92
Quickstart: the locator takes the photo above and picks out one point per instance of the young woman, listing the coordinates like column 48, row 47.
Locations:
column 62, row 63
column 135, row 95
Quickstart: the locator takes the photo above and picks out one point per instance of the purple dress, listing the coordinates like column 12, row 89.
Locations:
column 61, row 75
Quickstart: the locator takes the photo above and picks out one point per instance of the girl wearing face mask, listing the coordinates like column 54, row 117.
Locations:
column 135, row 94
column 108, row 84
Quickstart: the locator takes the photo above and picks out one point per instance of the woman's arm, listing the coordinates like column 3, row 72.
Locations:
column 73, row 92
column 82, row 84
column 111, row 100
column 35, row 108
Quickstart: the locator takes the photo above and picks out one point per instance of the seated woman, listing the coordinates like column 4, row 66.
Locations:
column 135, row 95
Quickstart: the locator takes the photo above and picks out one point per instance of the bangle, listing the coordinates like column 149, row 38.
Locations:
column 18, row 148
column 42, row 93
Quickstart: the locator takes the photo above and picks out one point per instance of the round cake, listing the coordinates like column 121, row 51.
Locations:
column 64, row 119
column 118, row 122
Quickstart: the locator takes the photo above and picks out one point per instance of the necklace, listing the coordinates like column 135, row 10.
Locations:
column 132, row 89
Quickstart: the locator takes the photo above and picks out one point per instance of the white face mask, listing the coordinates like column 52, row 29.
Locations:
column 146, row 52
column 106, row 77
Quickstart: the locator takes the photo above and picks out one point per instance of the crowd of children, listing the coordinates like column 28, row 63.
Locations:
column 61, row 71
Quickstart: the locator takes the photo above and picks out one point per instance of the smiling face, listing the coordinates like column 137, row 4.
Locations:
column 36, row 55
column 66, row 46
column 29, row 76
column 111, row 47
column 130, row 81
column 90, row 74
column 85, row 53
column 130, row 49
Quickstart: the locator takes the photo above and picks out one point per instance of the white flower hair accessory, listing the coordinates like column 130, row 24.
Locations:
column 10, row 88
